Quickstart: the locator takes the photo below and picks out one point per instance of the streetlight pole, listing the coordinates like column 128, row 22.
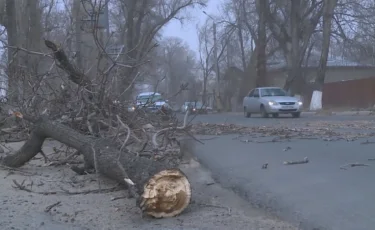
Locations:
column 216, row 61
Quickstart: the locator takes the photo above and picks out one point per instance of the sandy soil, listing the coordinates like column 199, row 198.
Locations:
column 213, row 207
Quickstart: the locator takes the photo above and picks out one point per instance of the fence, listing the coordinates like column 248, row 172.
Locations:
column 352, row 93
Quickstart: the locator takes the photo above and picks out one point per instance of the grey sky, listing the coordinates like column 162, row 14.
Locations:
column 187, row 31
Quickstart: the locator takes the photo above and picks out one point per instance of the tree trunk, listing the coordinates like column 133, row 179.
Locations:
column 293, row 82
column 240, row 36
column 78, row 32
column 316, row 99
column 150, row 177
column 249, row 79
column 11, row 26
column 261, row 80
column 204, row 96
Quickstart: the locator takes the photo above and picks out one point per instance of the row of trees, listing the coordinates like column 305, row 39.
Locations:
column 130, row 53
column 250, row 34
column 264, row 31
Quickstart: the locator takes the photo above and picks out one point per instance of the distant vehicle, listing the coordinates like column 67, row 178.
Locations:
column 194, row 107
column 271, row 100
column 152, row 102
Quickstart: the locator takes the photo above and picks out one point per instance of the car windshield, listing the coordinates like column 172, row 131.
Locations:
column 270, row 92
column 198, row 105
column 149, row 98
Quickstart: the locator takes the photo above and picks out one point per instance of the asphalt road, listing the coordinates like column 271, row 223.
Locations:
column 318, row 195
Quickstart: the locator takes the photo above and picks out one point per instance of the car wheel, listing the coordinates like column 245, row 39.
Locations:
column 246, row 114
column 296, row 115
column 263, row 112
column 275, row 115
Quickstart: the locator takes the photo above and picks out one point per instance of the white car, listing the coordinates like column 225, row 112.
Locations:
column 271, row 100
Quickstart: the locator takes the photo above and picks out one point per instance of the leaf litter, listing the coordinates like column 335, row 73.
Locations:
column 324, row 130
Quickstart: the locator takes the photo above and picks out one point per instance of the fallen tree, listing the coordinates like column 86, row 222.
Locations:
column 160, row 189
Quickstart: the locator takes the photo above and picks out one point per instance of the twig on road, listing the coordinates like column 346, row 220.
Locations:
column 371, row 159
column 49, row 207
column 352, row 165
column 304, row 161
column 259, row 142
column 287, row 148
column 212, row 206
column 367, row 142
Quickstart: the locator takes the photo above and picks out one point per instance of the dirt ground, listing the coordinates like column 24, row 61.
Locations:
column 75, row 205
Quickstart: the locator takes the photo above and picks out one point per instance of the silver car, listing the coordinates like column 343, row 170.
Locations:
column 271, row 100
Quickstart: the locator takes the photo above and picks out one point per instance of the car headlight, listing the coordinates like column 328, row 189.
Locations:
column 300, row 103
column 273, row 103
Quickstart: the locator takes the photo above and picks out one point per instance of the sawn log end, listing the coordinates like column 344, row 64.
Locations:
column 166, row 194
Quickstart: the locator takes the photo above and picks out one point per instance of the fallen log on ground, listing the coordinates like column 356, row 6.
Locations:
column 160, row 191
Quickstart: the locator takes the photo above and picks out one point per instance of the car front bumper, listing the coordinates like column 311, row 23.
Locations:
column 296, row 108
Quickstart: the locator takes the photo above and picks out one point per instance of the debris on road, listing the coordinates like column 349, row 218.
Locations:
column 304, row 161
column 327, row 131
column 367, row 142
column 264, row 166
column 49, row 207
column 345, row 167
column 287, row 148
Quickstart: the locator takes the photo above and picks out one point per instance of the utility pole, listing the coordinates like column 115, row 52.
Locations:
column 216, row 61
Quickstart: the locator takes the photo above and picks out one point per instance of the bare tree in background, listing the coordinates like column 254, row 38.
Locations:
column 244, row 17
column 143, row 20
column 179, row 65
column 206, row 53
column 205, row 57
column 292, row 25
